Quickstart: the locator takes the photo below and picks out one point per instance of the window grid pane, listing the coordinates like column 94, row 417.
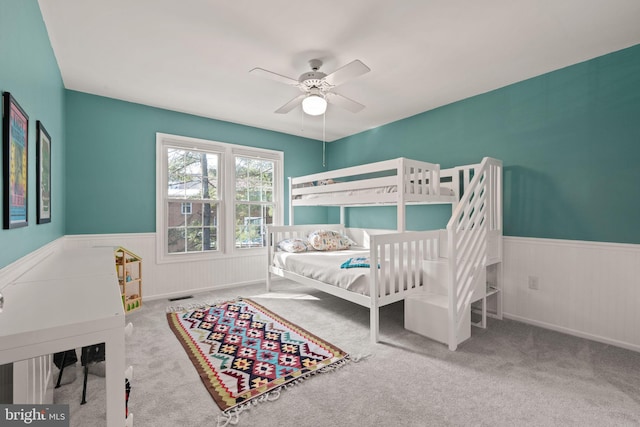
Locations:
column 192, row 211
column 192, row 239
column 254, row 201
column 192, row 174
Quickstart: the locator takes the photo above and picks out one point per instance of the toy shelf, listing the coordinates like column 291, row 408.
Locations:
column 129, row 268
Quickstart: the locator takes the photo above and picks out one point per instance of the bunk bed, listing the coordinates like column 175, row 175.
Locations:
column 438, row 273
column 398, row 182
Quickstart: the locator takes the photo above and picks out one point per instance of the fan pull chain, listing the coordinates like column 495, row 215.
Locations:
column 324, row 126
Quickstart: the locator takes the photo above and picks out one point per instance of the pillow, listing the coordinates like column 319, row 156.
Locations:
column 325, row 182
column 295, row 245
column 326, row 240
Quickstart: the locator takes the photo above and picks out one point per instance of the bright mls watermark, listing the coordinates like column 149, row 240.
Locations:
column 34, row 415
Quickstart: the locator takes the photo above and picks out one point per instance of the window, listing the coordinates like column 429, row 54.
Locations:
column 186, row 209
column 254, row 206
column 203, row 211
column 192, row 200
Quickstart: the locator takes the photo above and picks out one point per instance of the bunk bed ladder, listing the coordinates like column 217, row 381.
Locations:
column 477, row 215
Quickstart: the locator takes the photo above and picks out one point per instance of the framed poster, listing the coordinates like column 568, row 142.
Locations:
column 15, row 137
column 43, row 173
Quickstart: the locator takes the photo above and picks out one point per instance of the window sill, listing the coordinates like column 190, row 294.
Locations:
column 203, row 257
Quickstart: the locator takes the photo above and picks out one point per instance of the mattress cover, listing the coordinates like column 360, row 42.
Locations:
column 325, row 267
column 444, row 191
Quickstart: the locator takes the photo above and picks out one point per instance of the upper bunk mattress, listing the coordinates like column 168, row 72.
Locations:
column 361, row 192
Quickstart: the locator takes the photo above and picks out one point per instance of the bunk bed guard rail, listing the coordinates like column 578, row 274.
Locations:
column 412, row 180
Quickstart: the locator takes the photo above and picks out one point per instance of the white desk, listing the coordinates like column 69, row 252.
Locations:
column 71, row 299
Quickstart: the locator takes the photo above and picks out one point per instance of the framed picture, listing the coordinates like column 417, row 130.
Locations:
column 43, row 174
column 15, row 137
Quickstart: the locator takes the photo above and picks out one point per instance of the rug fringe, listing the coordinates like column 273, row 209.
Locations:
column 231, row 416
column 359, row 357
column 196, row 305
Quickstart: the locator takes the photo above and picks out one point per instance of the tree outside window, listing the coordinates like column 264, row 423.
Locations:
column 254, row 204
column 192, row 180
column 214, row 199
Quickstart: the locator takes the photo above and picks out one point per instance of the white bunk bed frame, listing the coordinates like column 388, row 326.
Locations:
column 471, row 241
column 421, row 183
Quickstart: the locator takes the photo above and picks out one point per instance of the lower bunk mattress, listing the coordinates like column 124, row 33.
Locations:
column 327, row 267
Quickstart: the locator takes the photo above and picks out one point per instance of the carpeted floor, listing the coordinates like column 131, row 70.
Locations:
column 510, row 374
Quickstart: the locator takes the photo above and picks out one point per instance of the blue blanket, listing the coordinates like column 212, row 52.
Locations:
column 360, row 262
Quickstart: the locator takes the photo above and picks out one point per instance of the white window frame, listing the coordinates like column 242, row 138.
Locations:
column 186, row 208
column 226, row 205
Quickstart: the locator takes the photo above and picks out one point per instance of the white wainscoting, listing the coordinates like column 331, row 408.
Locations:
column 179, row 278
column 587, row 289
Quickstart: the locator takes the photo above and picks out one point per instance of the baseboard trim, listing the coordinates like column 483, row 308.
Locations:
column 572, row 332
column 200, row 290
column 572, row 243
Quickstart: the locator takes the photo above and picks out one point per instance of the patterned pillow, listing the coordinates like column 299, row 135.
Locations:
column 295, row 245
column 326, row 240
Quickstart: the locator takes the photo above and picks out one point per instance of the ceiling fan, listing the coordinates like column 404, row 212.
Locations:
column 317, row 87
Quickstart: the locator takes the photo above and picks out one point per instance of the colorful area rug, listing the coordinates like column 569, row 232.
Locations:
column 242, row 351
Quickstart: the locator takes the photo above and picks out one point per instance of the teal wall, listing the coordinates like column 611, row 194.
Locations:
column 28, row 70
column 111, row 168
column 569, row 140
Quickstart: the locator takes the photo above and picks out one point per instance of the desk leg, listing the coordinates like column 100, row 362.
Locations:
column 115, row 365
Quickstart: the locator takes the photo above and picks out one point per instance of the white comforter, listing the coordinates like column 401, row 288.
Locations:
column 325, row 267
column 444, row 191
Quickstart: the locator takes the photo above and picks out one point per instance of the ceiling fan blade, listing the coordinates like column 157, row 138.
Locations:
column 350, row 71
column 274, row 76
column 291, row 104
column 344, row 102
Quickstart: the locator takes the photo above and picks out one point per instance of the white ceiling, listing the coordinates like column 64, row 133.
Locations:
column 194, row 56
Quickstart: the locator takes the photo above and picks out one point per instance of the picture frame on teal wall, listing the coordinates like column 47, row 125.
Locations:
column 43, row 174
column 15, row 156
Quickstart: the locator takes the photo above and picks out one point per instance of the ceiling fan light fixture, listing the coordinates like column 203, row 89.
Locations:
column 314, row 105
